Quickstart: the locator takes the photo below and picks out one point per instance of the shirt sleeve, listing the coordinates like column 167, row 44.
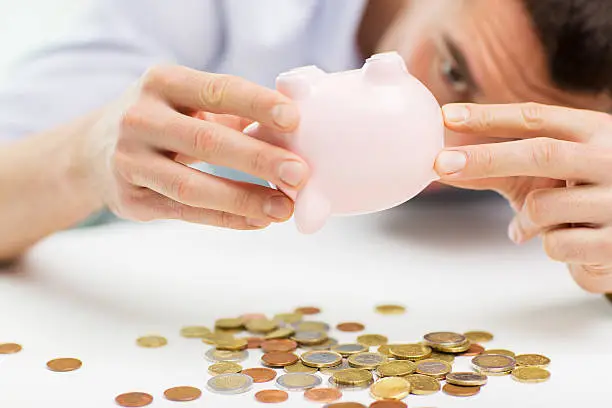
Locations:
column 110, row 46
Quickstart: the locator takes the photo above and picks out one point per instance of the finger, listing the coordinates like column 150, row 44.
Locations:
column 197, row 189
column 186, row 88
column 580, row 246
column 230, row 121
column 221, row 146
column 541, row 157
column 594, row 279
column 544, row 209
column 525, row 120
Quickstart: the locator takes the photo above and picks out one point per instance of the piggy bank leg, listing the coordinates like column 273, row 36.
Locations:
column 312, row 209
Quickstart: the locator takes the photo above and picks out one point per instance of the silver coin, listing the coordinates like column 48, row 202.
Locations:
column 446, row 339
column 215, row 355
column 311, row 326
column 466, row 379
column 324, row 346
column 493, row 363
column 321, row 359
column 348, row 349
column 368, row 361
column 298, row 381
column 230, row 383
column 330, row 370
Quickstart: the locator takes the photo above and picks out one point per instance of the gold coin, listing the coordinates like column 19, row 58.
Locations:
column 229, row 324
column 449, row 358
column 300, row 368
column 384, row 350
column 390, row 388
column 282, row 333
column 532, row 360
column 288, row 318
column 433, row 368
column 213, row 338
column 321, row 359
column 367, row 361
column 446, row 339
column 310, row 338
column 410, row 351
column 352, row 376
column 452, row 349
column 398, row 368
column 349, row 349
column 232, row 345
column 478, row 336
column 261, row 326
column 182, row 394
column 422, row 384
column 331, row 370
column 224, row 367
column 311, row 326
column 152, row 341
column 371, row 340
column 493, row 363
column 10, row 348
column 466, row 379
column 501, row 352
column 63, row 365
column 530, row 374
column 391, row 309
column 191, row 332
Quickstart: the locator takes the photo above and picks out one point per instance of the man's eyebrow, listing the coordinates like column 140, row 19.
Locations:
column 461, row 62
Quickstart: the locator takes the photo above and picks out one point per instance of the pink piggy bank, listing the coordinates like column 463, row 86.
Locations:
column 370, row 137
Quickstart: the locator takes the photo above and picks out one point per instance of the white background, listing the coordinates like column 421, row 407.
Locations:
column 90, row 293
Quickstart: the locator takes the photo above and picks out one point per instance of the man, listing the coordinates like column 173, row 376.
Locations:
column 84, row 147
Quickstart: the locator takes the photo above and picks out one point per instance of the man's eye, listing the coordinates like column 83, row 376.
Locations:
column 453, row 75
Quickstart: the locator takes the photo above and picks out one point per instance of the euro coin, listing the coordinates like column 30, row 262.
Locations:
column 473, row 351
column 493, row 363
column 282, row 333
column 445, row 339
column 388, row 404
column 63, row 365
column 261, row 326
column 394, row 388
column 478, row 336
column 191, row 332
column 310, row 338
column 182, row 394
column 134, row 399
column 461, row 348
column 433, row 368
column 371, row 340
column 353, row 377
column 9, row 348
column 422, row 384
column 466, row 379
column 326, row 345
column 229, row 324
column 345, row 405
column 368, row 361
column 399, row 368
column 449, row 358
column 298, row 381
column 288, row 318
column 323, row 394
column 458, row 391
column 252, row 316
column 260, row 374
column 230, row 383
column 532, row 360
column 390, row 309
column 214, row 355
column 254, row 342
column 308, row 310
column 151, row 341
column 224, row 367
column 311, row 326
column 213, row 338
column 350, row 327
column 321, row 359
column 410, row 351
column 384, row 350
column 271, row 396
column 232, row 345
column 299, row 368
column 501, row 352
column 278, row 345
column 530, row 374
column 278, row 359
column 349, row 349
column 331, row 370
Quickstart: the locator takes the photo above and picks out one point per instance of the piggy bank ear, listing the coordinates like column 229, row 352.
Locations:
column 266, row 134
column 297, row 83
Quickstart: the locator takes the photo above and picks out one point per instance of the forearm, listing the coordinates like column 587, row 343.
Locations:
column 43, row 187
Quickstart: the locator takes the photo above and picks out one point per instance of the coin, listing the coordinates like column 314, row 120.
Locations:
column 466, row 379
column 532, row 360
column 327, row 345
column 63, row 365
column 213, row 338
column 371, row 340
column 388, row 404
column 230, row 383
column 300, row 368
column 224, row 367
column 332, row 370
column 458, row 391
column 352, row 376
column 446, row 339
column 309, row 337
column 368, row 361
column 433, row 368
column 271, row 396
column 9, row 348
column 501, row 352
column 461, row 348
column 384, row 350
column 194, row 331
column 321, row 359
column 308, row 310
column 478, row 336
column 232, row 345
column 350, row 327
column 279, row 359
column 260, row 374
column 288, row 318
column 474, row 350
column 349, row 349
column 151, row 341
column 222, row 355
column 323, row 394
column 422, row 384
column 298, row 381
column 229, row 324
column 391, row 309
column 134, row 399
column 278, row 345
column 345, row 405
column 395, row 388
column 311, row 326
column 254, row 342
column 449, row 358
column 252, row 316
column 493, row 363
column 345, row 387
column 410, row 351
column 261, row 326
column 530, row 374
column 282, row 333
column 397, row 368
column 182, row 394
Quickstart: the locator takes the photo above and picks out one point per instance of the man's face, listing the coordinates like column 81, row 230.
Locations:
column 481, row 51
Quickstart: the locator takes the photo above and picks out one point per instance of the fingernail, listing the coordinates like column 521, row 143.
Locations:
column 292, row 173
column 514, row 233
column 456, row 113
column 257, row 223
column 279, row 207
column 285, row 115
column 451, row 162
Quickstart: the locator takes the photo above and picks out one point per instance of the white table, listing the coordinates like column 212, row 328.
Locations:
column 90, row 293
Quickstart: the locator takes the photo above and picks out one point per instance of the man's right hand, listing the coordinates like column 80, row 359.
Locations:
column 139, row 150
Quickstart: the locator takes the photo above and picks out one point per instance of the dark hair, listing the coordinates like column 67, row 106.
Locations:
column 577, row 39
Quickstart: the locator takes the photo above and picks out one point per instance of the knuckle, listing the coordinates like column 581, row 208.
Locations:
column 483, row 120
column 545, row 152
column 214, row 91
column 156, row 77
column 181, row 188
column 532, row 117
column 243, row 202
column 554, row 248
column 207, row 140
column 225, row 220
column 134, row 119
column 483, row 159
column 260, row 163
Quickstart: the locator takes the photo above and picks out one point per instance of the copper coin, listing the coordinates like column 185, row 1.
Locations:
column 308, row 310
column 350, row 327
column 345, row 405
column 459, row 391
column 9, row 348
column 474, row 350
column 253, row 316
column 182, row 394
column 388, row 404
column 260, row 375
column 271, row 396
column 134, row 399
column 279, row 359
column 323, row 394
column 285, row 345
column 62, row 365
column 254, row 342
